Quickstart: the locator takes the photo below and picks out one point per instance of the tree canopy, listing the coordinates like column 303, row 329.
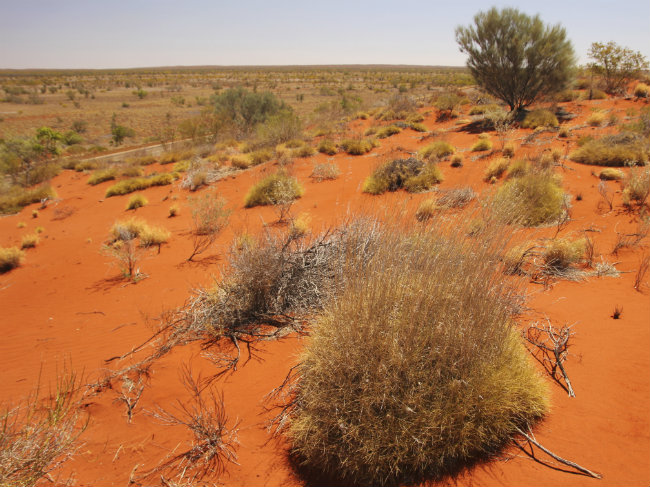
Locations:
column 516, row 58
column 617, row 64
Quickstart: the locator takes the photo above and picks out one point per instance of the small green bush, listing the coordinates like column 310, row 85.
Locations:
column 539, row 118
column 136, row 201
column 327, row 146
column 562, row 253
column 496, row 168
column 533, row 199
column 613, row 150
column 411, row 174
column 357, row 147
column 384, row 132
column 274, row 189
column 10, row 258
column 102, row 175
column 18, row 197
column 136, row 184
column 611, row 174
column 641, row 90
column 482, row 144
column 437, row 150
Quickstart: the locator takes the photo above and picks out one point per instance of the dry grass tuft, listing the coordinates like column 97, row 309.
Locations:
column 136, row 201
column 10, row 258
column 414, row 370
column 29, row 241
column 539, row 118
column 274, row 189
column 411, row 174
column 613, row 150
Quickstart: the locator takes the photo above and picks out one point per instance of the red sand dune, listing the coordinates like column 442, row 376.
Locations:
column 67, row 303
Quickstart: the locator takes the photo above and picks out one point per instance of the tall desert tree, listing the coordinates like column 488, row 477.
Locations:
column 516, row 58
column 617, row 64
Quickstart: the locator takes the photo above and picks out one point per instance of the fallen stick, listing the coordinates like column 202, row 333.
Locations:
column 569, row 463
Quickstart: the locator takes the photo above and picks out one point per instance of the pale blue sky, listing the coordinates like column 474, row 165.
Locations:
column 139, row 33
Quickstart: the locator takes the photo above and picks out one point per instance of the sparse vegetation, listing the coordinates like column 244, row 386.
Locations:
column 357, row 147
column 274, row 189
column 496, row 168
column 411, row 174
column 482, row 144
column 325, row 171
column 327, row 146
column 10, row 258
column 127, row 186
column 539, row 118
column 136, row 201
column 209, row 217
column 611, row 174
column 613, row 150
column 437, row 150
column 29, row 241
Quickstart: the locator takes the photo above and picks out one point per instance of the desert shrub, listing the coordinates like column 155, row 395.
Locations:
column 128, row 229
column 519, row 168
column 567, row 95
column 482, row 144
column 411, row 174
column 325, row 171
column 508, row 150
column 40, row 433
column 241, row 161
column 175, row 156
column 29, row 241
column 102, row 175
column 299, row 227
column 564, row 132
column 597, row 94
column 456, row 161
column 415, row 369
column 132, row 171
column 327, row 146
column 260, row 156
column 610, row 174
column 418, row 127
column 136, row 184
column 357, row 147
column 613, row 150
column 482, row 109
column 426, row 210
column 641, row 90
column 534, row 199
column 303, row 151
column 561, row 253
column 399, row 107
column 496, row 168
column 274, row 189
column 136, row 201
column 10, row 258
column 154, row 236
column 387, row 131
column 18, row 197
column 637, row 188
column 86, row 166
column 182, row 166
column 539, row 118
column 436, row 150
column 173, row 211
column 456, row 197
column 596, row 119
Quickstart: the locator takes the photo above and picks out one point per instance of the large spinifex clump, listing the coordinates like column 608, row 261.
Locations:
column 414, row 368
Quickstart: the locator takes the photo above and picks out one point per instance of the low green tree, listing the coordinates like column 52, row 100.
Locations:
column 617, row 65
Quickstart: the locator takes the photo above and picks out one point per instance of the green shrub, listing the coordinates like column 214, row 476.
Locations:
column 384, row 132
column 641, row 90
column 482, row 144
column 29, row 241
column 357, row 147
column 136, row 201
column 10, row 258
column 437, row 150
column 18, row 197
column 612, row 150
column 400, row 380
column 411, row 174
column 611, row 174
column 325, row 171
column 562, row 253
column 539, row 118
column 496, row 168
column 274, row 189
column 637, row 188
column 596, row 119
column 102, row 175
column 136, row 184
column 533, row 199
column 327, row 146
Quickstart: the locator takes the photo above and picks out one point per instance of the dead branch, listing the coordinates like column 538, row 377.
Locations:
column 551, row 349
column 531, row 440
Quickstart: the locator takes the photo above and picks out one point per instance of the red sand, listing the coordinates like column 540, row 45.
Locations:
column 67, row 303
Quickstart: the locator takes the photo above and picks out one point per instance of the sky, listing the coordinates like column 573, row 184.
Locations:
column 141, row 33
